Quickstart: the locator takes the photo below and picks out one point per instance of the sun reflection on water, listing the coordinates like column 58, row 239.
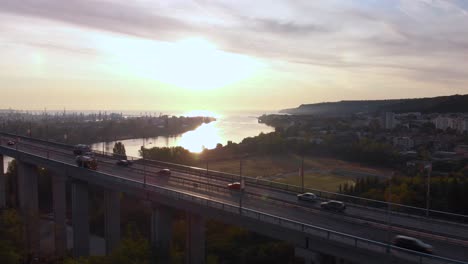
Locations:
column 227, row 127
column 205, row 136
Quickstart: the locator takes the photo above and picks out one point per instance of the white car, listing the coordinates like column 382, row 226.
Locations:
column 310, row 197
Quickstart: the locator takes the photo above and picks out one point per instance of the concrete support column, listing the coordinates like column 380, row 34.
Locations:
column 3, row 193
column 161, row 233
column 308, row 256
column 60, row 209
column 80, row 219
column 195, row 240
column 112, row 219
column 29, row 206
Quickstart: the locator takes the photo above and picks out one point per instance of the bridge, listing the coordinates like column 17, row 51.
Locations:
column 360, row 235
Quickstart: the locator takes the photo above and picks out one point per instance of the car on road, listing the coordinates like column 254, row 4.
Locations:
column 164, row 172
column 234, row 186
column 412, row 243
column 81, row 149
column 309, row 197
column 86, row 162
column 124, row 163
column 333, row 205
column 11, row 143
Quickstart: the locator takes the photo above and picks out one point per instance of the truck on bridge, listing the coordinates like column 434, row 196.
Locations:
column 88, row 162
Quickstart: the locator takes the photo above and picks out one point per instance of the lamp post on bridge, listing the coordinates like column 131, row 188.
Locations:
column 206, row 176
column 30, row 130
column 47, row 139
column 144, row 162
column 389, row 212
column 302, row 173
column 428, row 167
column 241, row 191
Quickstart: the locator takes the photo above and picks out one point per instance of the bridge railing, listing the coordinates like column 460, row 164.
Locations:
column 336, row 237
column 325, row 195
column 308, row 229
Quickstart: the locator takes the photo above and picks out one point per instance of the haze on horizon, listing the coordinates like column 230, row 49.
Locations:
column 228, row 55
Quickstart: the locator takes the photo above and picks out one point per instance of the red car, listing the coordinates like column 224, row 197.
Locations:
column 234, row 186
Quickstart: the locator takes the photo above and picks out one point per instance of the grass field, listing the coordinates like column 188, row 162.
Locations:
column 325, row 182
column 320, row 173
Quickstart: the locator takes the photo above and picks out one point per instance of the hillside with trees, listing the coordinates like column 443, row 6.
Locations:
column 440, row 104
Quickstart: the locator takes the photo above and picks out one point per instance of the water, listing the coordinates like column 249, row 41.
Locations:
column 6, row 161
column 228, row 127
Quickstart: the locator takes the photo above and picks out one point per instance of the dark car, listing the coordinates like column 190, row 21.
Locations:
column 412, row 243
column 164, row 172
column 11, row 143
column 124, row 163
column 333, row 205
column 81, row 149
column 310, row 197
column 234, row 186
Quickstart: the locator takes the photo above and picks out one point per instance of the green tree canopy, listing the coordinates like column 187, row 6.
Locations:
column 119, row 149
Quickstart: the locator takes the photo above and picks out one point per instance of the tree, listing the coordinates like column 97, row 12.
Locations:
column 119, row 149
column 133, row 248
column 11, row 237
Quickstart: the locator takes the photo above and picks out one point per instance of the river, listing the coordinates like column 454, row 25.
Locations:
column 230, row 126
column 234, row 126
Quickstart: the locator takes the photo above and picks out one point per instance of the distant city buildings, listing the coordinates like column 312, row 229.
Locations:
column 403, row 143
column 388, row 120
column 453, row 121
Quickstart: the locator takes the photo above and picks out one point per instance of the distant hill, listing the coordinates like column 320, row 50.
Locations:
column 441, row 104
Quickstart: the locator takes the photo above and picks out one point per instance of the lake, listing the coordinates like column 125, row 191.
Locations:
column 228, row 127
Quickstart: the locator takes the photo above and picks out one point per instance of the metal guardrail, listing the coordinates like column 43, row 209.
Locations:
column 307, row 229
column 209, row 186
column 395, row 207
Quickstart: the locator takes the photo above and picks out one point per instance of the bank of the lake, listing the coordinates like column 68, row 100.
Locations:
column 227, row 127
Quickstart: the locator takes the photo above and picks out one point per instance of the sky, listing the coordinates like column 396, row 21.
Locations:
column 228, row 55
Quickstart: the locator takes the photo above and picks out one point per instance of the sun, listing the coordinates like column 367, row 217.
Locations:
column 191, row 63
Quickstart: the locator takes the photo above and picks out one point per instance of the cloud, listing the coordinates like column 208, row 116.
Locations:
column 116, row 16
column 413, row 36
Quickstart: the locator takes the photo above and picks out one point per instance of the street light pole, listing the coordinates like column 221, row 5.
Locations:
column 144, row 162
column 389, row 213
column 47, row 139
column 241, row 187
column 144, row 172
column 302, row 173
column 428, row 192
column 207, row 179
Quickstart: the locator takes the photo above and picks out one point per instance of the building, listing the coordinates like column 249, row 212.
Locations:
column 458, row 123
column 403, row 143
column 442, row 122
column 388, row 120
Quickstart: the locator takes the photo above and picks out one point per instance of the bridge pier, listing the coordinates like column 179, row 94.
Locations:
column 60, row 206
column 29, row 206
column 3, row 193
column 161, row 233
column 195, row 240
column 80, row 218
column 112, row 219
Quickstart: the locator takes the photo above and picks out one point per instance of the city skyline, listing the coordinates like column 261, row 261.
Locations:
column 187, row 55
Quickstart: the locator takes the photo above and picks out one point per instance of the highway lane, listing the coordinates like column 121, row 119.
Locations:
column 421, row 227
column 303, row 214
